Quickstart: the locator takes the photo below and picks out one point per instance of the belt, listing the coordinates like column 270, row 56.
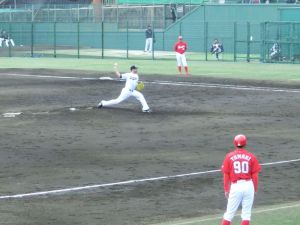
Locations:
column 241, row 181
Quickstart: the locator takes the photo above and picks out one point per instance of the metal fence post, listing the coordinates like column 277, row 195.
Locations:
column 32, row 13
column 54, row 39
column 248, row 41
column 127, row 40
column 102, row 40
column 291, row 45
column 205, row 39
column 234, row 40
column 163, row 41
column 55, row 17
column 262, row 42
column 9, row 46
column 32, row 41
column 10, row 14
column 153, row 40
column 78, row 40
column 78, row 13
column 180, row 28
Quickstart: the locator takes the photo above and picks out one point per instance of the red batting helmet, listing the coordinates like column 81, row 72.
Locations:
column 240, row 140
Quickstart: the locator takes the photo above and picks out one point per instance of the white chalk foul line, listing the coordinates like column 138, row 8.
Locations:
column 89, row 187
column 225, row 86
column 185, row 84
column 219, row 217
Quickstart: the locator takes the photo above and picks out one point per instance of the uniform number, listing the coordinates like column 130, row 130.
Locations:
column 241, row 167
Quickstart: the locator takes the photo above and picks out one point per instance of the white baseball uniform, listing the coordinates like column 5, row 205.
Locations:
column 128, row 91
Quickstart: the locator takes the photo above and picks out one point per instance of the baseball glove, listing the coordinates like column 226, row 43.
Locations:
column 140, row 86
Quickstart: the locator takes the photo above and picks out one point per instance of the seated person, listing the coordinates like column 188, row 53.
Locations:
column 5, row 37
column 216, row 48
column 1, row 38
column 275, row 52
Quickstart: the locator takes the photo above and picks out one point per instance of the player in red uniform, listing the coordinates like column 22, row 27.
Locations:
column 240, row 171
column 180, row 47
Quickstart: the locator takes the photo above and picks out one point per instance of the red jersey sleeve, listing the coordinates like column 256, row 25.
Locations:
column 226, row 165
column 255, row 181
column 226, row 174
column 256, row 168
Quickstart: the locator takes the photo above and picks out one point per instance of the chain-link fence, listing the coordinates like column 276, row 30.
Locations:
column 240, row 41
column 162, row 14
column 281, row 42
column 122, row 34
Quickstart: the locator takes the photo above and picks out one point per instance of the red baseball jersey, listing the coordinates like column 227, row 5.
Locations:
column 180, row 47
column 240, row 165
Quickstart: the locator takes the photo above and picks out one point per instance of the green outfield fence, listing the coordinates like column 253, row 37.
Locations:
column 120, row 33
column 241, row 40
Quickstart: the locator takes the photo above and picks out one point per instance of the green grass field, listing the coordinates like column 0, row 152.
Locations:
column 285, row 214
column 242, row 70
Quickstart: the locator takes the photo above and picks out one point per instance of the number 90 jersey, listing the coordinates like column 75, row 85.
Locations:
column 240, row 165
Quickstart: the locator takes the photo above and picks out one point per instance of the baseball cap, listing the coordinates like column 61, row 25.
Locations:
column 133, row 67
column 180, row 37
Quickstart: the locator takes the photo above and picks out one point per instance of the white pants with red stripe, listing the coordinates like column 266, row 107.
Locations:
column 241, row 192
column 126, row 93
column 181, row 60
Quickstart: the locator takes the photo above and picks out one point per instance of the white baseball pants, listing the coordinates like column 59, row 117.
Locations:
column 148, row 45
column 7, row 42
column 240, row 192
column 181, row 60
column 126, row 93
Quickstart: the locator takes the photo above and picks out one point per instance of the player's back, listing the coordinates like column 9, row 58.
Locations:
column 240, row 165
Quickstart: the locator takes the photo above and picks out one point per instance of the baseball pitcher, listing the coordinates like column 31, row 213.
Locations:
column 180, row 47
column 132, row 81
column 240, row 172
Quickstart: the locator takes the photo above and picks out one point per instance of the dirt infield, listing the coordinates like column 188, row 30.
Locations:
column 50, row 147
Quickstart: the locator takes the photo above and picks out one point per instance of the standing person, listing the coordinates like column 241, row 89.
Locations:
column 132, row 80
column 240, row 171
column 173, row 12
column 180, row 47
column 149, row 34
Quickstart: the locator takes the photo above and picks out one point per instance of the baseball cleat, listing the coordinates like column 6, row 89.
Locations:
column 147, row 111
column 99, row 106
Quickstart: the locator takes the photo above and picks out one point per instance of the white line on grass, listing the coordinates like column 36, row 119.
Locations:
column 219, row 217
column 89, row 187
column 186, row 84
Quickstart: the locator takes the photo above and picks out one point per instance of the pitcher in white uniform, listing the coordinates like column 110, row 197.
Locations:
column 129, row 90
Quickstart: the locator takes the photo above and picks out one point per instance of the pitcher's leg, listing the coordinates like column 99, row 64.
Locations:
column 140, row 97
column 124, row 95
column 12, row 42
